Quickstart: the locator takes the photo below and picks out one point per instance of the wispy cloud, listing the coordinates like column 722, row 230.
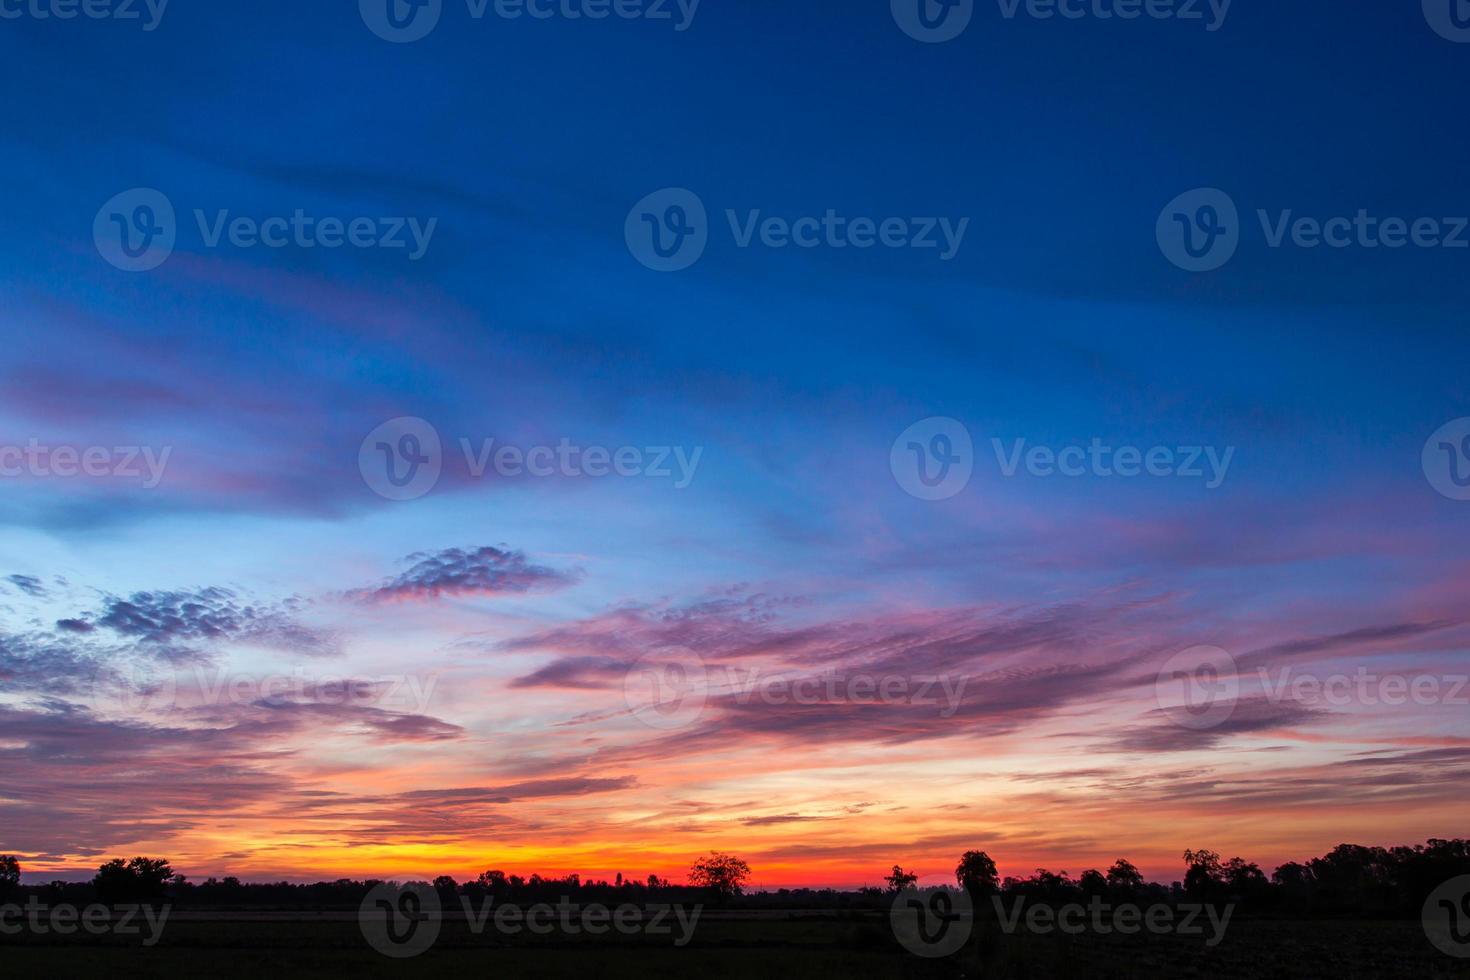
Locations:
column 484, row 571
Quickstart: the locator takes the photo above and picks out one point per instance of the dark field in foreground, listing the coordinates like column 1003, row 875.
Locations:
column 730, row 944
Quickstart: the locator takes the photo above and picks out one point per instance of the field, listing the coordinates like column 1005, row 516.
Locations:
column 330, row 943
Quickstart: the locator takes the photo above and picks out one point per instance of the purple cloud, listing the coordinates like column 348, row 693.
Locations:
column 482, row 571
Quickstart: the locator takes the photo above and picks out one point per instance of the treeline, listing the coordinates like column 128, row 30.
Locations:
column 111, row 887
column 1350, row 880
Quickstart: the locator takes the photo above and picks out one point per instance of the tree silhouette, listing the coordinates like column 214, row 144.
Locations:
column 725, row 874
column 139, row 880
column 900, row 879
column 1203, row 874
column 976, row 873
column 9, row 873
column 1124, row 878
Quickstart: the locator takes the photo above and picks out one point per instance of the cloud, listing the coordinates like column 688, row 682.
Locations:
column 482, row 571
column 43, row 664
column 592, row 673
column 780, row 818
column 79, row 783
column 1384, row 636
column 28, row 584
column 1250, row 716
column 169, row 621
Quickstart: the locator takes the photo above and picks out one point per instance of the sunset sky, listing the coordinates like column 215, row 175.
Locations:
column 258, row 665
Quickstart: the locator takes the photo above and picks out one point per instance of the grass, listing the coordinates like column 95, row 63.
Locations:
column 266, row 946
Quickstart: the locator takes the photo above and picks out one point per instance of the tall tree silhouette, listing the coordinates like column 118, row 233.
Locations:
column 724, row 874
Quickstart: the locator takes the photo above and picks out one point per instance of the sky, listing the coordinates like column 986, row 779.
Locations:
column 558, row 510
